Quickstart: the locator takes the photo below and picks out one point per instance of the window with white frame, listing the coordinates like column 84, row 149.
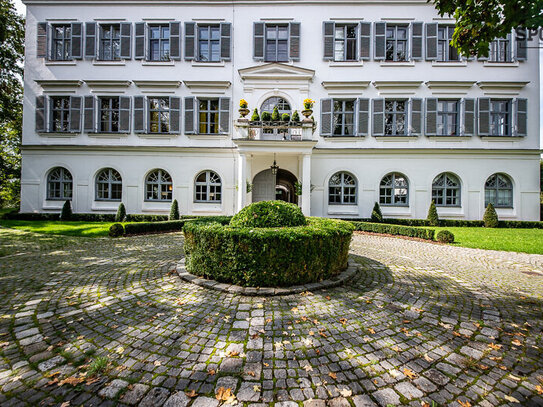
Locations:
column 209, row 43
column 159, row 114
column 61, row 42
column 109, row 185
column 446, row 190
column 394, row 190
column 343, row 120
column 500, row 121
column 342, row 189
column 110, row 42
column 159, row 42
column 208, row 116
column 499, row 191
column 397, row 37
column 60, row 114
column 445, row 51
column 158, row 186
column 109, row 114
column 345, row 42
column 395, row 117
column 447, row 117
column 276, row 43
column 208, row 187
column 59, row 184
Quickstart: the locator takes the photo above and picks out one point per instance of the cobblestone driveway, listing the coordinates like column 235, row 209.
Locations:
column 422, row 323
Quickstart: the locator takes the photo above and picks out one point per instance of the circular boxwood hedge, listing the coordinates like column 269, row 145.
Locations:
column 269, row 214
column 444, row 236
column 267, row 257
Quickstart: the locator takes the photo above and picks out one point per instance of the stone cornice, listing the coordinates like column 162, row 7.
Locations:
column 501, row 87
column 57, row 84
column 215, row 2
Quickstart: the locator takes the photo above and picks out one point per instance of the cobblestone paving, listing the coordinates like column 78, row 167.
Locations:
column 107, row 322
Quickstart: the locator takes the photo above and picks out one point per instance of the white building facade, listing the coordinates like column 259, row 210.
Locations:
column 137, row 102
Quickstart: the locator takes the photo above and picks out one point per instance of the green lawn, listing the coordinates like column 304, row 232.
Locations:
column 86, row 229
column 511, row 240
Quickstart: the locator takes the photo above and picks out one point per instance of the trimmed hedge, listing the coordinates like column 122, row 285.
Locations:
column 513, row 224
column 269, row 214
column 427, row 234
column 151, row 227
column 267, row 257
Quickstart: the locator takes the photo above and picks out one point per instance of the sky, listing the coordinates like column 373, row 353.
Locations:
column 21, row 9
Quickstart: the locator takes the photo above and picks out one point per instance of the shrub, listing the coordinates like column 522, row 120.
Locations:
column 121, row 213
column 285, row 117
column 66, row 212
column 174, row 211
column 295, row 116
column 433, row 217
column 153, row 227
column 275, row 114
column 376, row 214
column 265, row 257
column 427, row 234
column 116, row 230
column 490, row 218
column 255, row 117
column 269, row 214
column 444, row 236
column 266, row 117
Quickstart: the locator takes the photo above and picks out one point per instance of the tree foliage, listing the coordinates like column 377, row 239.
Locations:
column 11, row 95
column 478, row 22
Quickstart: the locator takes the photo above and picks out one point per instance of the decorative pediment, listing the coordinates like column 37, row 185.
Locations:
column 276, row 71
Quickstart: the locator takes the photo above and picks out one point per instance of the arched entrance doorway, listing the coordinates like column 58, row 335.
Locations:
column 267, row 187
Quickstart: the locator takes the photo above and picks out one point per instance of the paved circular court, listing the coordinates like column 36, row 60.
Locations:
column 109, row 322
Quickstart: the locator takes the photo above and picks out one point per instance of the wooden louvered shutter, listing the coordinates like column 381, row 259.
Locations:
column 521, row 46
column 258, row 41
column 126, row 40
column 484, row 116
column 90, row 40
column 328, row 28
column 139, row 47
column 124, row 114
column 431, row 41
column 175, row 112
column 190, row 106
column 190, row 40
column 294, row 31
column 175, row 40
column 41, row 46
column 365, row 41
column 468, row 117
column 41, row 114
column 521, row 117
column 327, row 115
column 89, row 122
column 224, row 115
column 431, row 117
column 380, row 41
column 77, row 40
column 415, row 117
column 226, row 41
column 363, row 117
column 140, row 114
column 75, row 114
column 378, row 115
column 416, row 40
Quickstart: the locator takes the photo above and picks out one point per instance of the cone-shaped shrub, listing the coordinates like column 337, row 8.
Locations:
column 275, row 115
column 121, row 213
column 66, row 213
column 433, row 217
column 255, row 117
column 376, row 214
column 490, row 218
column 174, row 211
column 295, row 116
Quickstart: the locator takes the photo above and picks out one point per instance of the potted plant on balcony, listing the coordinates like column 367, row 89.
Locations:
column 285, row 117
column 266, row 116
column 243, row 110
column 275, row 115
column 295, row 117
column 255, row 117
column 308, row 107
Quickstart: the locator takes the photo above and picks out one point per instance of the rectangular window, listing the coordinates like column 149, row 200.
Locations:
column 159, row 42
column 209, row 49
column 445, row 51
column 343, row 117
column 110, row 42
column 61, row 42
column 208, row 116
column 395, row 117
column 60, row 113
column 159, row 115
column 500, row 50
column 499, row 117
column 447, row 117
column 109, row 114
column 345, row 42
column 276, row 43
column 396, row 42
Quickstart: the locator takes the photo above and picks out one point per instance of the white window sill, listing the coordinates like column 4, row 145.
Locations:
column 157, row 63
column 108, row 135
column 501, row 138
column 156, row 206
column 511, row 64
column 345, row 63
column 449, row 138
column 343, row 138
column 208, row 64
column 58, row 134
column 157, row 135
column 208, row 136
column 343, row 210
column 51, row 207
column 396, row 138
column 97, row 62
column 450, row 63
column 60, row 63
column 390, row 63
column 105, row 206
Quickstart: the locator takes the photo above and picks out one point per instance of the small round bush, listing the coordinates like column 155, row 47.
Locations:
column 116, row 230
column 269, row 214
column 266, row 116
column 285, row 117
column 444, row 236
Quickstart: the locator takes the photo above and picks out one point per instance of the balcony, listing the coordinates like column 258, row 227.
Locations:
column 274, row 131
